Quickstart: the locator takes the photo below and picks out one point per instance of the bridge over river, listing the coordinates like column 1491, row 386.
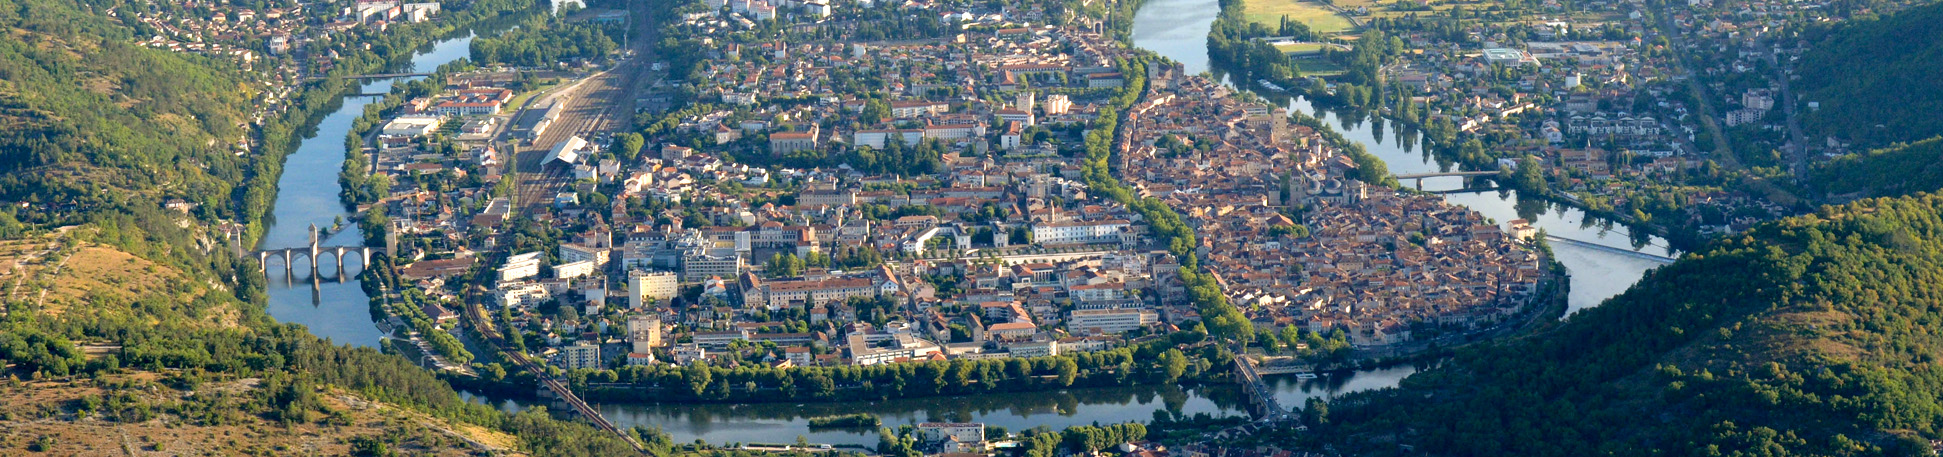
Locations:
column 314, row 254
column 1419, row 177
column 1261, row 396
column 368, row 76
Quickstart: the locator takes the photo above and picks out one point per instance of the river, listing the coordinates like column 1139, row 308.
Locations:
column 1596, row 274
column 783, row 422
column 1178, row 30
column 1174, row 28
column 332, row 305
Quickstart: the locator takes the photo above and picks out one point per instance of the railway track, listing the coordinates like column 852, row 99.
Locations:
column 590, row 110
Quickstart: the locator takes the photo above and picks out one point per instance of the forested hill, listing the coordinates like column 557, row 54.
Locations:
column 1876, row 79
column 118, row 313
column 94, row 120
column 1900, row 169
column 1815, row 335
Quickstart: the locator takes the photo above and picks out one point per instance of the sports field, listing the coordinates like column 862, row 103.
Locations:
column 1299, row 47
column 1319, row 18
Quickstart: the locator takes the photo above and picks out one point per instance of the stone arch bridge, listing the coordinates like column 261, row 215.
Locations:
column 314, row 254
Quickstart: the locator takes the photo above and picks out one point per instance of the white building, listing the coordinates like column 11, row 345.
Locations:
column 574, row 269
column 689, row 353
column 963, row 432
column 877, row 138
column 570, row 252
column 1110, row 320
column 1078, row 232
column 878, row 348
column 411, row 127
column 522, row 294
column 520, row 266
column 1058, row 104
column 1046, row 348
column 643, row 285
column 644, row 332
column 568, row 151
column 581, row 355
column 697, row 267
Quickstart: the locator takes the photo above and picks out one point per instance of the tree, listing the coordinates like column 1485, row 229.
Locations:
column 1529, row 176
column 629, row 144
column 875, row 111
column 1067, row 371
column 1174, row 363
column 698, row 376
column 784, row 265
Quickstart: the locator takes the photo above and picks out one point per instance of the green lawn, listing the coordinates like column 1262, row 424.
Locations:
column 1298, row 47
column 1316, row 16
column 1319, row 68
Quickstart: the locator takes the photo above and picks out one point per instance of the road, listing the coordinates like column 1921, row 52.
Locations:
column 1798, row 150
column 1723, row 150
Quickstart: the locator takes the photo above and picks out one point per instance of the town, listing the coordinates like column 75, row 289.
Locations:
column 1675, row 117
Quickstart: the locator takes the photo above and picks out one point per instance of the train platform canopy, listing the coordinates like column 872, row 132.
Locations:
column 566, row 152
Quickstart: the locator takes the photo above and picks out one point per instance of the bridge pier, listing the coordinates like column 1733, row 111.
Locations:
column 314, row 254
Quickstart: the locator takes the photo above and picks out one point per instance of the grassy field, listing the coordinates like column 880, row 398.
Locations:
column 1319, row 18
column 1298, row 47
column 1319, row 68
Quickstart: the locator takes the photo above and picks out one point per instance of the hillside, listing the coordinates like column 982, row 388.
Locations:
column 1808, row 336
column 1875, row 80
column 1900, row 169
column 95, row 120
column 148, row 414
column 129, row 328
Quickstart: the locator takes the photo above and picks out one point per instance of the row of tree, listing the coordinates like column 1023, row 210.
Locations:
column 1153, row 362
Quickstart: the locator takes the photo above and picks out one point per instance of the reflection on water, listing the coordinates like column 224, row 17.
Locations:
column 1294, row 392
column 1177, row 29
column 783, row 422
column 332, row 305
column 1596, row 274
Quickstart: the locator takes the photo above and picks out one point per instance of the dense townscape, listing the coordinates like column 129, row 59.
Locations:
column 954, row 224
column 765, row 203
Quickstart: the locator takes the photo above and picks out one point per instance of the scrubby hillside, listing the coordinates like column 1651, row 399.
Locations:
column 129, row 328
column 1809, row 336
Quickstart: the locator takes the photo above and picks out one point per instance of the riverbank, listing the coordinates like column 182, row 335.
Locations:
column 1236, row 49
column 313, row 103
column 323, row 299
